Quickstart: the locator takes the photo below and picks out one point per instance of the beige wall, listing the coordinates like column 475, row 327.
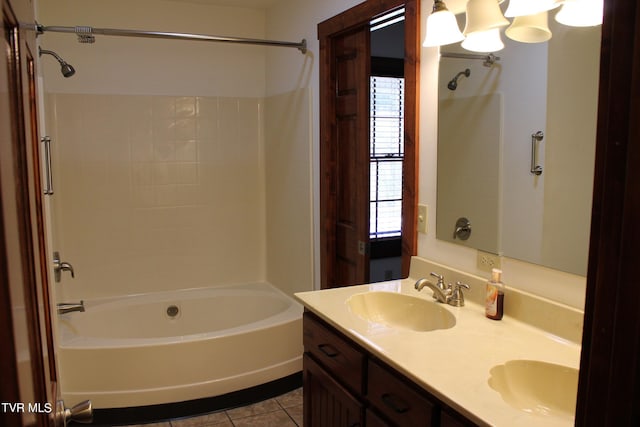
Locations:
column 135, row 66
column 289, row 207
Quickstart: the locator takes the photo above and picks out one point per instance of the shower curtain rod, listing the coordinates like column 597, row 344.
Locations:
column 86, row 35
column 488, row 59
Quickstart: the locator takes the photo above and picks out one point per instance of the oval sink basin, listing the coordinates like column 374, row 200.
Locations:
column 399, row 310
column 537, row 387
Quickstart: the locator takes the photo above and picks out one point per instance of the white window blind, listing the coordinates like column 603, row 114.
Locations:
column 386, row 156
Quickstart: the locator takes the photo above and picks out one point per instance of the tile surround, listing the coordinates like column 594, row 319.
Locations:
column 181, row 191
column 157, row 183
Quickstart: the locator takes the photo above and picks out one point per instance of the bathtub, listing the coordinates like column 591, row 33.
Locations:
column 178, row 346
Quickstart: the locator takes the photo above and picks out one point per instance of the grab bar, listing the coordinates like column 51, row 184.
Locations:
column 48, row 180
column 536, row 169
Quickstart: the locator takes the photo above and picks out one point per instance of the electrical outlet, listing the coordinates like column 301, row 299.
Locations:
column 486, row 261
column 422, row 219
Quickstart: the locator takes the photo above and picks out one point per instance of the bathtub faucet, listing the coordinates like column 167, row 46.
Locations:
column 66, row 307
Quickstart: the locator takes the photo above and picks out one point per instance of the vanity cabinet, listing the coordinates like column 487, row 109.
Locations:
column 345, row 385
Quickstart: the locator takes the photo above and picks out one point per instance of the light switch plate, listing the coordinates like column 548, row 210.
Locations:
column 422, row 219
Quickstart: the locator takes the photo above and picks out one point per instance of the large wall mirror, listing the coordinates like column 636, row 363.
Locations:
column 516, row 147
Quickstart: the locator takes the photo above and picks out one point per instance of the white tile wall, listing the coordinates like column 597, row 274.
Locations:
column 156, row 192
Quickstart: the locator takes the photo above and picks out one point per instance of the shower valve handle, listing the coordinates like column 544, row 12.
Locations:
column 60, row 266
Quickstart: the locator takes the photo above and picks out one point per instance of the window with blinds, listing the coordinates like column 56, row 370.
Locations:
column 386, row 156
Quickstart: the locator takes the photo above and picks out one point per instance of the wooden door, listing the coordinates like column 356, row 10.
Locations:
column 344, row 141
column 349, row 144
column 28, row 357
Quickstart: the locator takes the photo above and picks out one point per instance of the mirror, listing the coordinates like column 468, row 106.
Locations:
column 489, row 147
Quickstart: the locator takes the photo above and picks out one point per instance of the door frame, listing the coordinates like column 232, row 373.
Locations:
column 609, row 385
column 26, row 317
column 360, row 15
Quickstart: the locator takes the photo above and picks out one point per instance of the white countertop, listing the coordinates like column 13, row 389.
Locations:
column 452, row 364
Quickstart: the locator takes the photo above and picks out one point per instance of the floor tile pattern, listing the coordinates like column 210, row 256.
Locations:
column 281, row 411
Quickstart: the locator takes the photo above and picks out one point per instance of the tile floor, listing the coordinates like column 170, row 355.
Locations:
column 280, row 411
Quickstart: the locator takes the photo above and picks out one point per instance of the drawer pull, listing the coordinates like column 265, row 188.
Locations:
column 395, row 403
column 328, row 350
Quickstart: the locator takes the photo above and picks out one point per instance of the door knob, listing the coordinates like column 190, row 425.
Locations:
column 81, row 413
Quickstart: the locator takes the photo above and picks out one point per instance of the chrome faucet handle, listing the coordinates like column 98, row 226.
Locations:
column 457, row 296
column 60, row 266
column 440, row 280
column 440, row 283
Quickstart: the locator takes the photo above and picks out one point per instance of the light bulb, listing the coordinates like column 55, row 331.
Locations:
column 484, row 41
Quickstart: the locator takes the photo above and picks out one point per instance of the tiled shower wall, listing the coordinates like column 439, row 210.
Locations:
column 157, row 193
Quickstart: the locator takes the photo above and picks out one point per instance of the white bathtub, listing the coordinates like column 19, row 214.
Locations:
column 137, row 351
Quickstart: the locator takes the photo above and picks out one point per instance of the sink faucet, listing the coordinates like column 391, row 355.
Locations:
column 441, row 295
column 66, row 307
column 451, row 295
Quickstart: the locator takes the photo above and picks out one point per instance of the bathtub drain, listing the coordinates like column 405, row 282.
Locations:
column 173, row 310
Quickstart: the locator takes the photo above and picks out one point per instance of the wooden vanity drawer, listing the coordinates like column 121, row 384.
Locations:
column 345, row 361
column 397, row 400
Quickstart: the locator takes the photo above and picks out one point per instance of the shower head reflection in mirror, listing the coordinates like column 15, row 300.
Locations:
column 453, row 83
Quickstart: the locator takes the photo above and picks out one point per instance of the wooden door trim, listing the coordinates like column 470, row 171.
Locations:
column 609, row 388
column 9, row 386
column 21, row 175
column 22, row 261
column 357, row 16
column 412, row 46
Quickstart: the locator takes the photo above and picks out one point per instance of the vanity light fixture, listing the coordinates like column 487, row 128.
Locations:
column 483, row 15
column 530, row 23
column 442, row 26
column 482, row 30
column 581, row 13
column 529, row 7
column 530, row 28
column 484, row 41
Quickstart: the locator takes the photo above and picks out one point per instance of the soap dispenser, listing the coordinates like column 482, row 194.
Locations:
column 494, row 302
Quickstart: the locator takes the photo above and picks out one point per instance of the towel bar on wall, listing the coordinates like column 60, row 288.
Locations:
column 536, row 169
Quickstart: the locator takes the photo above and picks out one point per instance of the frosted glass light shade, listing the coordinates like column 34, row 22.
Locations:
column 581, row 13
column 530, row 28
column 529, row 7
column 484, row 41
column 483, row 15
column 442, row 29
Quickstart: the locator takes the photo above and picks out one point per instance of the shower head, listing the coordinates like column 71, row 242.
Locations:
column 453, row 83
column 67, row 70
